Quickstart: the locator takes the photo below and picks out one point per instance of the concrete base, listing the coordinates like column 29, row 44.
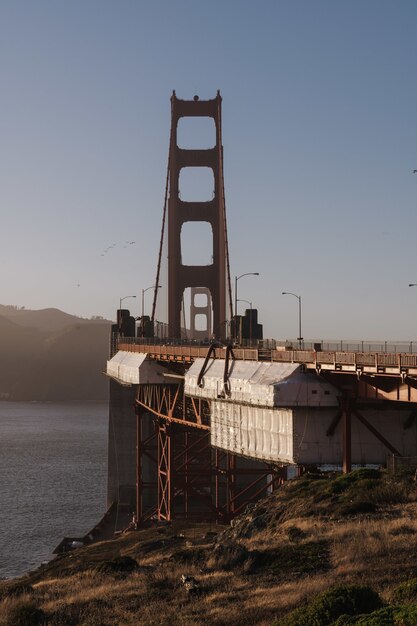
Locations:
column 121, row 477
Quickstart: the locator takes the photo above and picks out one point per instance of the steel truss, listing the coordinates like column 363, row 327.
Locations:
column 193, row 479
column 349, row 396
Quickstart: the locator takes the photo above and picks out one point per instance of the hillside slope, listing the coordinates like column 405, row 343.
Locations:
column 45, row 320
column 321, row 551
column 56, row 357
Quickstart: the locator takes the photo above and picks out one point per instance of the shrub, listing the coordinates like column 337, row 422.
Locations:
column 366, row 475
column 305, row 485
column 158, row 588
column 252, row 563
column 357, row 506
column 404, row 529
column 295, row 534
column 390, row 492
column 230, row 555
column 119, row 565
column 389, row 616
column 406, row 592
column 66, row 615
column 326, row 608
column 15, row 589
column 300, row 558
column 25, row 613
column 403, row 616
column 360, row 492
column 189, row 555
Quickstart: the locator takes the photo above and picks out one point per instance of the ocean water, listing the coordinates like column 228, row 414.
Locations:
column 53, row 464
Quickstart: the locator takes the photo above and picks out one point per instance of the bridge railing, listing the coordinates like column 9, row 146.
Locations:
column 186, row 350
column 375, row 359
column 163, row 351
column 362, row 346
column 408, row 360
column 365, row 358
column 323, row 346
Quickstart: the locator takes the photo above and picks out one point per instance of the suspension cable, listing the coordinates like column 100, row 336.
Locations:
column 226, row 243
column 161, row 243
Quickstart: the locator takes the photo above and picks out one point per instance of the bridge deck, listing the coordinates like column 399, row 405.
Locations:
column 392, row 364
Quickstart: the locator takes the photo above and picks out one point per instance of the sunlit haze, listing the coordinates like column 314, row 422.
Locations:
column 320, row 144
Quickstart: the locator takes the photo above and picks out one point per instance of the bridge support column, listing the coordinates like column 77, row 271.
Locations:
column 179, row 474
column 146, row 465
column 164, row 471
column 191, row 474
column 139, row 511
column 184, row 473
column 240, row 481
column 121, row 479
column 347, row 433
column 231, row 485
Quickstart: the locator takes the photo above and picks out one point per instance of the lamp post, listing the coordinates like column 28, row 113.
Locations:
column 124, row 298
column 250, row 320
column 236, row 279
column 142, row 320
column 412, row 285
column 299, row 338
column 143, row 297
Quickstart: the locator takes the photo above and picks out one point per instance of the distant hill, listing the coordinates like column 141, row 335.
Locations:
column 47, row 320
column 49, row 355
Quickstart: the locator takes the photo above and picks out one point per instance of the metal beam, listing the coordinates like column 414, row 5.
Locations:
column 375, row 432
column 347, row 433
column 333, row 424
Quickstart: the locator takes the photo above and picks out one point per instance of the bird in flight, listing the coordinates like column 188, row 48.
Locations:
column 414, row 171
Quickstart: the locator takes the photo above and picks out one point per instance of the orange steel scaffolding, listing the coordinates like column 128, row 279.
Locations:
column 193, row 479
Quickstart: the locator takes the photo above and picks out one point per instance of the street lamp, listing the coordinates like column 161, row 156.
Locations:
column 236, row 279
column 250, row 320
column 124, row 298
column 143, row 297
column 288, row 293
column 412, row 285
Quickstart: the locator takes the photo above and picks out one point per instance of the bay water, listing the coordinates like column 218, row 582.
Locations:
column 53, row 476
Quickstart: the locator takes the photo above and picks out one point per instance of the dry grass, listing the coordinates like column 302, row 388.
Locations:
column 252, row 577
column 387, row 544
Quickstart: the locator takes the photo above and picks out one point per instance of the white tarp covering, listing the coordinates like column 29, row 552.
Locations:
column 133, row 368
column 260, row 384
column 257, row 432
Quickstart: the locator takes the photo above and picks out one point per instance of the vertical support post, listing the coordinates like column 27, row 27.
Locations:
column 139, row 508
column 280, row 477
column 164, row 471
column 217, row 480
column 231, row 484
column 347, row 433
column 300, row 470
column 186, row 486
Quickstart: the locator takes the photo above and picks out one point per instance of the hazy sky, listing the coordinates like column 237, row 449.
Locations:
column 319, row 134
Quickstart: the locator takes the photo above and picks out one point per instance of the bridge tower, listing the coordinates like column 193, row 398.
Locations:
column 170, row 469
column 214, row 276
